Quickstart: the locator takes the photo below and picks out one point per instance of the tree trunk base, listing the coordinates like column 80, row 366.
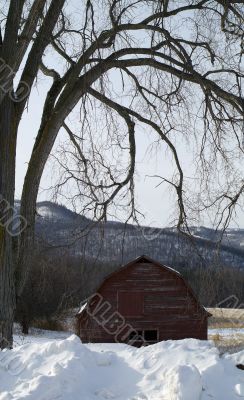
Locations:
column 6, row 334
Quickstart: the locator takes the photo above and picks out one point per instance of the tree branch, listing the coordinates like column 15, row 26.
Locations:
column 41, row 42
column 29, row 30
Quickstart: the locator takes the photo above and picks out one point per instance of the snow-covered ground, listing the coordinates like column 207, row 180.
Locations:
column 54, row 366
column 37, row 336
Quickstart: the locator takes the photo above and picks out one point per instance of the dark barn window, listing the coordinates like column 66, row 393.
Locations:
column 151, row 336
column 138, row 335
column 147, row 335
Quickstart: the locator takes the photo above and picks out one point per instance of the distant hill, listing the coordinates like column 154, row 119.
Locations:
column 60, row 229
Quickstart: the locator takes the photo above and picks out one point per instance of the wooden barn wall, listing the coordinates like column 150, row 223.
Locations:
column 168, row 305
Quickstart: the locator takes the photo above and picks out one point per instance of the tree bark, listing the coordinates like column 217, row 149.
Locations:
column 33, row 176
column 7, row 187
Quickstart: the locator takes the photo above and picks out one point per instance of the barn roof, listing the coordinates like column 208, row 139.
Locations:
column 147, row 260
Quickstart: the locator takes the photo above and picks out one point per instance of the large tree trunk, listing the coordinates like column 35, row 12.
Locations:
column 40, row 154
column 7, row 187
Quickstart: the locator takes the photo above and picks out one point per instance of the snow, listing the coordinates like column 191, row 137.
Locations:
column 82, row 308
column 37, row 336
column 45, row 211
column 51, row 210
column 184, row 382
column 54, row 367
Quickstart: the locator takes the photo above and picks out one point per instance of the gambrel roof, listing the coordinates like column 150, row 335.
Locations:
column 149, row 260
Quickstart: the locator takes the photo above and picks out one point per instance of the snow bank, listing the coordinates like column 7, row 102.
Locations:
column 183, row 382
column 68, row 370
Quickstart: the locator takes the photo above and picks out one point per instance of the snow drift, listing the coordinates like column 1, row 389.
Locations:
column 68, row 370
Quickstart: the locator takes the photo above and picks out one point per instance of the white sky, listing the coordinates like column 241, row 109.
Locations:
column 158, row 204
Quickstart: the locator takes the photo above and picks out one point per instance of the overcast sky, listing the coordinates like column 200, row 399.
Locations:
column 154, row 202
column 157, row 203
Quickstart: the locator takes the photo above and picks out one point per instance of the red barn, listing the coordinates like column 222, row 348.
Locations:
column 143, row 302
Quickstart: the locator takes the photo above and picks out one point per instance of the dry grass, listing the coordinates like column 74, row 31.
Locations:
column 223, row 318
column 228, row 344
column 227, row 312
column 226, row 318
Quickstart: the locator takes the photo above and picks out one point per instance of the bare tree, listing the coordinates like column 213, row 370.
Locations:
column 175, row 61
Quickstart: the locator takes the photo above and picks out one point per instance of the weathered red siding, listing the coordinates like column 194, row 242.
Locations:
column 149, row 296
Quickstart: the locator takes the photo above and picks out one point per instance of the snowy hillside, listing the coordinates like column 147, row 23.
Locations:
column 115, row 242
column 68, row 370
